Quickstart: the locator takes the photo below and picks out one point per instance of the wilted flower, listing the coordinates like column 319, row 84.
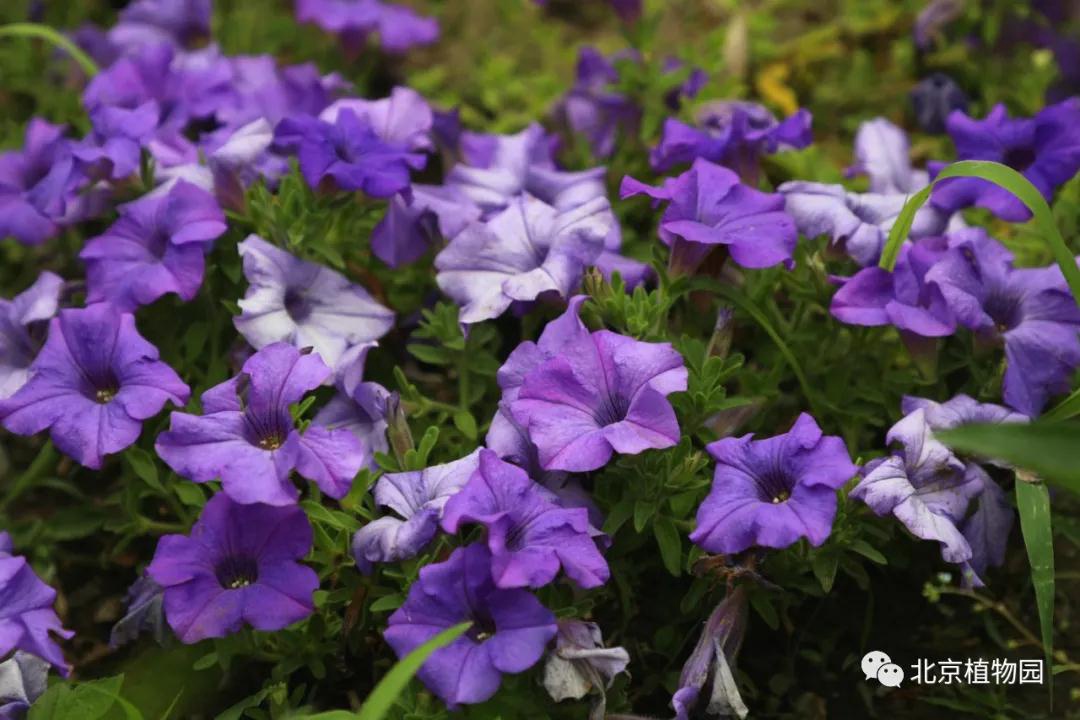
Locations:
column 248, row 438
column 530, row 535
column 239, row 565
column 412, row 224
column 156, row 247
column 934, row 99
column 362, row 411
column 713, row 659
column 770, row 493
column 580, row 664
column 418, row 498
column 1030, row 311
column 1045, row 149
column 526, row 250
column 707, row 207
column 305, row 304
column 92, row 385
column 604, row 394
column 27, row 618
column 23, row 322
column 37, row 185
column 510, row 630
column 144, row 613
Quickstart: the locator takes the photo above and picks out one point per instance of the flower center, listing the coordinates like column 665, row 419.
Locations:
column 105, row 395
column 236, row 572
column 483, row 628
column 297, row 305
column 775, row 486
column 271, row 442
column 1020, row 158
column 613, row 409
column 1004, row 310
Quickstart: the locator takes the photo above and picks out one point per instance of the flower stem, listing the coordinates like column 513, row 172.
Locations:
column 44, row 32
column 45, row 460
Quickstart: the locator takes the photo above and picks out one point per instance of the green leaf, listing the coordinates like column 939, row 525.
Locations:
column 667, row 537
column 1004, row 177
column 824, row 565
column 142, row 463
column 869, row 552
column 382, row 698
column 44, row 32
column 1050, row 450
column 1033, row 504
column 387, row 602
column 465, row 422
column 643, row 510
column 84, row 701
column 1067, row 408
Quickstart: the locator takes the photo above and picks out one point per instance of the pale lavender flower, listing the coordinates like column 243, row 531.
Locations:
column 305, row 304
column 23, row 322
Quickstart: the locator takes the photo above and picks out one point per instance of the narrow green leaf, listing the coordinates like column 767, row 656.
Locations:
column 1050, row 450
column 386, row 692
column 1033, row 504
column 824, row 565
column 465, row 422
column 667, row 537
column 44, row 32
column 1067, row 408
column 1004, row 177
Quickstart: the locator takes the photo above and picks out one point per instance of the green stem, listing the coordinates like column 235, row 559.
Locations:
column 45, row 460
column 44, row 32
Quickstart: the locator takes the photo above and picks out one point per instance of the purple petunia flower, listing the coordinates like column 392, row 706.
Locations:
column 348, row 153
column 403, row 119
column 593, row 108
column 598, row 396
column 114, row 149
column 902, row 298
column 260, row 88
column 580, row 663
column 92, row 385
column 305, row 304
column 361, row 409
column 27, row 618
column 38, row 185
column 858, row 224
column 1028, row 310
column 23, row 679
column 499, row 170
column 152, row 22
column 713, row 658
column 770, row 493
column 526, row 250
column 510, row 631
column 156, row 247
column 248, row 438
column 928, row 489
column 530, row 535
column 707, row 207
column 733, row 133
column 1045, row 149
column 418, row 497
column 23, row 321
column 239, row 565
column 413, row 224
column 882, row 152
column 398, row 27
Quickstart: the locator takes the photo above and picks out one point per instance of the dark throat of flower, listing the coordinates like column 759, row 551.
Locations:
column 236, row 572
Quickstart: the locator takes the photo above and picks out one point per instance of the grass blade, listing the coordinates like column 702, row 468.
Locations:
column 1051, row 450
column 44, row 32
column 386, row 692
column 1007, row 178
column 1033, row 503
